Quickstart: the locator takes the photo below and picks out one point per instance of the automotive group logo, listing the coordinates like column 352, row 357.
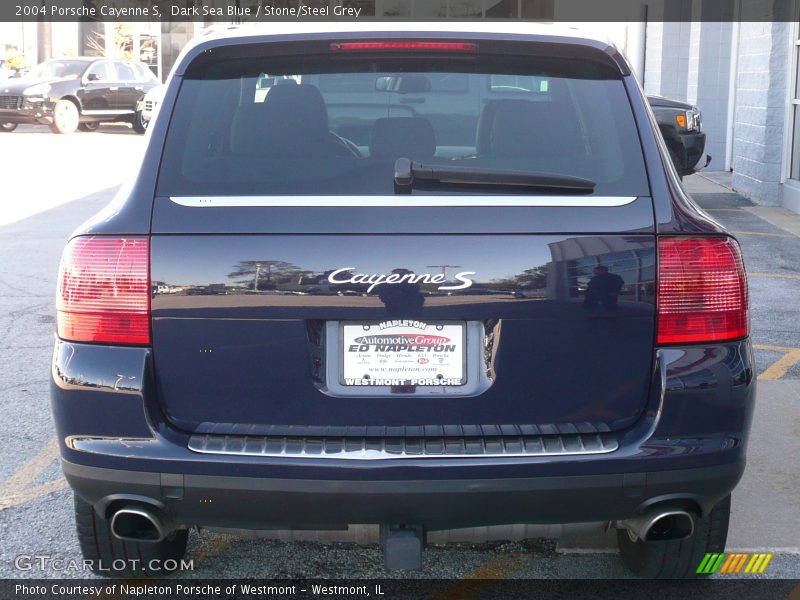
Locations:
column 347, row 275
column 402, row 342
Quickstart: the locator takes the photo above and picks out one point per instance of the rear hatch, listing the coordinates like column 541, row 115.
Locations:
column 300, row 287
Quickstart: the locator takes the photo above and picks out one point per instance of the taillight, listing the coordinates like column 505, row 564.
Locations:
column 432, row 46
column 702, row 290
column 104, row 291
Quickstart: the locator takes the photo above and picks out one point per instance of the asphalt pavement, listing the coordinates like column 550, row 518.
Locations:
column 53, row 183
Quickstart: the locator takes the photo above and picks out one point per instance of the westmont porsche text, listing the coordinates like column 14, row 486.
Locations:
column 450, row 382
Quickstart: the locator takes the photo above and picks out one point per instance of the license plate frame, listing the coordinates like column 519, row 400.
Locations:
column 453, row 369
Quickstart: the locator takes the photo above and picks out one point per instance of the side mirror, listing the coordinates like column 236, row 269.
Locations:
column 93, row 77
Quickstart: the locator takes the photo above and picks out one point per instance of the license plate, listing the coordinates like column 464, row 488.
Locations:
column 403, row 353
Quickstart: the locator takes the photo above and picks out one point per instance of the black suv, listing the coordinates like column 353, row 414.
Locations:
column 426, row 280
column 681, row 124
column 76, row 93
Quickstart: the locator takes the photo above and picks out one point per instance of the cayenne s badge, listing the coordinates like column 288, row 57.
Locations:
column 340, row 276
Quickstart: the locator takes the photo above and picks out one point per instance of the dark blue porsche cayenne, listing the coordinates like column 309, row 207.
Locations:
column 420, row 279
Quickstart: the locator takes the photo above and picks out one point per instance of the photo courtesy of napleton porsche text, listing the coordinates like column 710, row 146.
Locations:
column 400, row 298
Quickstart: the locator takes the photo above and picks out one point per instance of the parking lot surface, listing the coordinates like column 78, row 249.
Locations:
column 53, row 183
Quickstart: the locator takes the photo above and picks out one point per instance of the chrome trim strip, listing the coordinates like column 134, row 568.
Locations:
column 664, row 358
column 401, row 201
column 377, row 449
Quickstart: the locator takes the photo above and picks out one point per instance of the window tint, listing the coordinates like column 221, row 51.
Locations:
column 326, row 127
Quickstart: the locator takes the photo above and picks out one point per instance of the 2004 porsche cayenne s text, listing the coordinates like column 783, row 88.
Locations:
column 424, row 277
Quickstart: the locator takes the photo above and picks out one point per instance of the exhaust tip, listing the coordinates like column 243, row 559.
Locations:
column 670, row 526
column 137, row 525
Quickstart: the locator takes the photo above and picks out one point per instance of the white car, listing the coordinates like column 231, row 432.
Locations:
column 148, row 106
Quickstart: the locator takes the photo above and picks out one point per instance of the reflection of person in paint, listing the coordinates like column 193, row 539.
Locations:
column 402, row 300
column 604, row 288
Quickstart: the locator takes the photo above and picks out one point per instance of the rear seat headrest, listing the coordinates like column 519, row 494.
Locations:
column 409, row 137
column 300, row 104
column 292, row 121
column 518, row 128
column 486, row 122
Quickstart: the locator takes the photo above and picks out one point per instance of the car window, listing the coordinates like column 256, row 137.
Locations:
column 333, row 127
column 125, row 72
column 102, row 70
column 52, row 69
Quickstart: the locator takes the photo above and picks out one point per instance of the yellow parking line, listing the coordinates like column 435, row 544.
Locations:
column 775, row 348
column 33, row 493
column 775, row 275
column 484, row 578
column 764, row 233
column 781, row 366
column 16, row 489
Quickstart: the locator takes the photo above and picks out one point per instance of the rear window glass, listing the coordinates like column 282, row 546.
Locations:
column 317, row 125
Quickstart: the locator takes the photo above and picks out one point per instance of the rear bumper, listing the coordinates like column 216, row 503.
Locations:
column 694, row 145
column 689, row 445
column 257, row 503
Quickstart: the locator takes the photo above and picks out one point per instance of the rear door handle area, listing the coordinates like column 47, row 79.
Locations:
column 412, row 100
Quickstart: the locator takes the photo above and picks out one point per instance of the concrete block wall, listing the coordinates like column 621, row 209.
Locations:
column 654, row 52
column 761, row 82
column 667, row 59
column 714, row 49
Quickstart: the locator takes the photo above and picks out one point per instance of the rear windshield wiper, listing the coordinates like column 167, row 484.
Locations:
column 409, row 175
